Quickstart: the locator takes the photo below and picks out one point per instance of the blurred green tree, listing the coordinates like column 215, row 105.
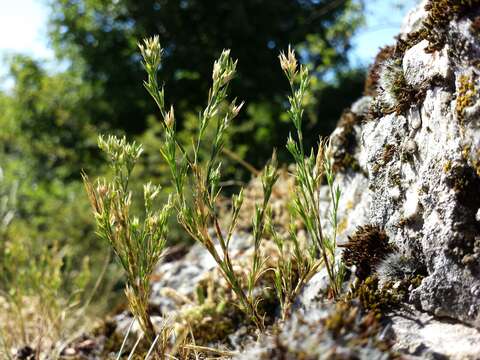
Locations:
column 45, row 142
column 46, row 121
column 102, row 35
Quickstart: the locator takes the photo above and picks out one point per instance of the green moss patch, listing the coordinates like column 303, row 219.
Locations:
column 365, row 249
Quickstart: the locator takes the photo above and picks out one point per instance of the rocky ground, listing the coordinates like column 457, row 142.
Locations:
column 407, row 157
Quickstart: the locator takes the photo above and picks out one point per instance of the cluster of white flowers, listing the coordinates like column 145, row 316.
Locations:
column 152, row 53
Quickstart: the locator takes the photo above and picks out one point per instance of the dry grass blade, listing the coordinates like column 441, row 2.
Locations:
column 134, row 348
column 120, row 352
column 212, row 350
column 150, row 350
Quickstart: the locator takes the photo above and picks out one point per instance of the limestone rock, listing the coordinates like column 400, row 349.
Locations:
column 420, row 171
column 433, row 66
column 423, row 336
column 414, row 18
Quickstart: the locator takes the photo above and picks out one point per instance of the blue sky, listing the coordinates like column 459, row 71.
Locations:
column 23, row 28
column 383, row 21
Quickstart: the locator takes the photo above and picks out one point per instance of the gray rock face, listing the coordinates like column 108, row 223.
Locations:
column 417, row 177
column 422, row 173
column 304, row 337
column 420, row 335
column 432, row 65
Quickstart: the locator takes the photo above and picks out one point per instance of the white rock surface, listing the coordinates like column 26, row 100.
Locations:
column 414, row 18
column 427, row 195
column 432, row 65
column 421, row 335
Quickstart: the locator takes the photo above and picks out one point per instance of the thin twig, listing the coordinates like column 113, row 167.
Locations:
column 99, row 281
column 241, row 161
column 125, row 339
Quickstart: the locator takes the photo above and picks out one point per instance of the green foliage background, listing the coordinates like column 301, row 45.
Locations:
column 50, row 119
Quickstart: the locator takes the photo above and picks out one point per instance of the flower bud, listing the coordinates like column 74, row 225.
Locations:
column 170, row 118
column 288, row 62
column 151, row 52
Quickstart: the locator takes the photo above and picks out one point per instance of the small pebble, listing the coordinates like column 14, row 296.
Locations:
column 69, row 352
column 415, row 119
column 395, row 193
column 411, row 146
column 411, row 206
column 86, row 345
column 416, row 122
column 243, row 330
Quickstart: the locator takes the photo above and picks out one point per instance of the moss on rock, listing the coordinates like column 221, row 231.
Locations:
column 366, row 248
column 440, row 13
column 371, row 82
column 345, row 143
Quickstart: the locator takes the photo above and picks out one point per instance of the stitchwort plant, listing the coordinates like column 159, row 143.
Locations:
column 137, row 243
column 311, row 171
column 200, row 213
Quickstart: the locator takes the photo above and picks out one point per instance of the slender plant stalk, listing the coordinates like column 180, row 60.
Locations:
column 203, row 177
column 310, row 171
